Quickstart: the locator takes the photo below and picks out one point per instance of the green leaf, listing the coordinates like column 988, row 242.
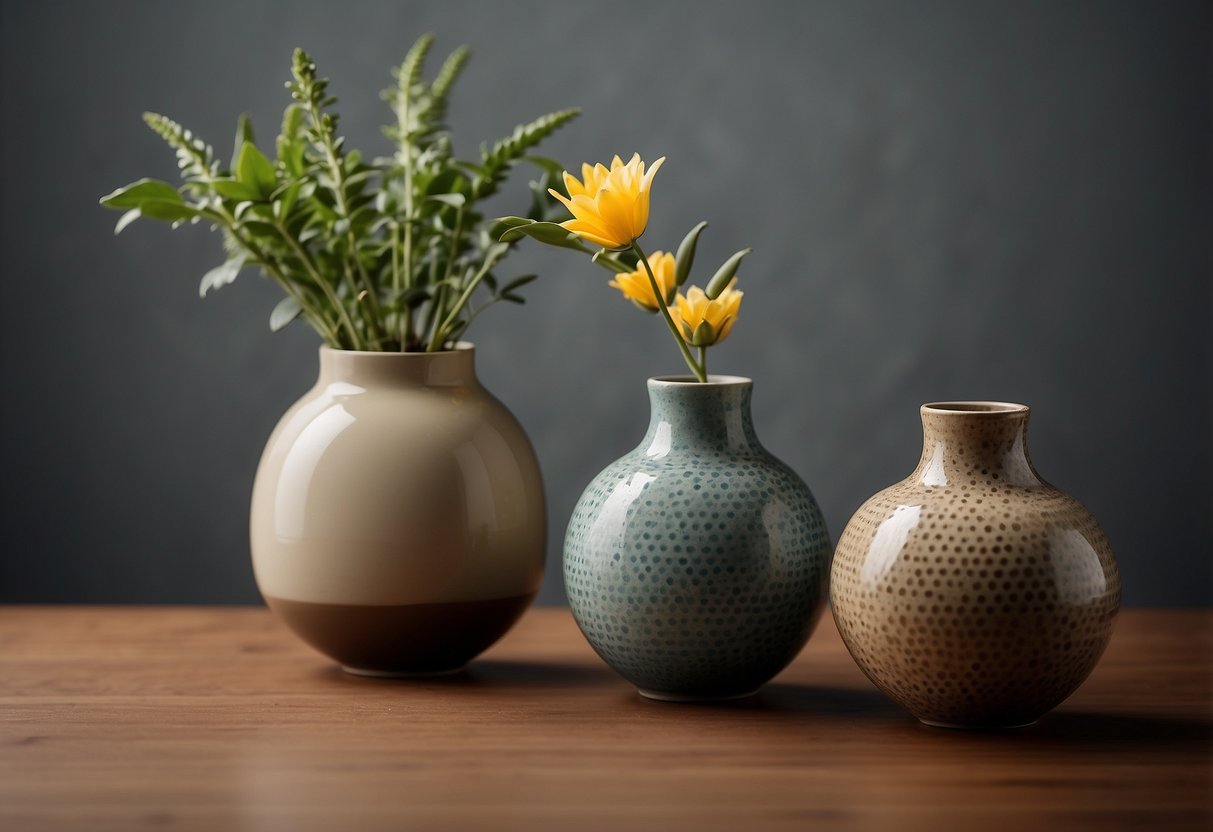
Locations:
column 453, row 200
column 221, row 275
column 409, row 73
column 256, row 171
column 126, row 219
column 287, row 310
column 517, row 283
column 156, row 210
column 545, row 232
column 137, row 194
column 609, row 260
column 503, row 224
column 288, row 138
column 195, row 158
column 472, row 167
column 498, row 160
column 244, row 133
column 686, row 254
column 721, row 279
column 168, row 211
column 360, row 178
column 232, row 189
column 414, row 296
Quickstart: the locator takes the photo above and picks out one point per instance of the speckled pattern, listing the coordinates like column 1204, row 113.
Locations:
column 696, row 564
column 974, row 593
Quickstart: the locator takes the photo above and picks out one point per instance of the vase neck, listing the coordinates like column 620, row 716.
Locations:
column 451, row 368
column 964, row 443
column 704, row 418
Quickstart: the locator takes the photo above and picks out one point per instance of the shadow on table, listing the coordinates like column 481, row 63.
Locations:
column 513, row 673
column 1115, row 734
column 1058, row 732
column 785, row 698
column 505, row 674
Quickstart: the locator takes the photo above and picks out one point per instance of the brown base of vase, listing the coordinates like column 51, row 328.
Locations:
column 404, row 640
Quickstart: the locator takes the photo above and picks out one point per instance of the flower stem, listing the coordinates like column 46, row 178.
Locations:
column 703, row 361
column 700, row 373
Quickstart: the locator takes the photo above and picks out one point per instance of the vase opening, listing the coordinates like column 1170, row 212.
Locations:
column 975, row 407
column 691, row 381
column 460, row 346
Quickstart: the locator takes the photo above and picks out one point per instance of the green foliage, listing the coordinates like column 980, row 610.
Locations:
column 389, row 254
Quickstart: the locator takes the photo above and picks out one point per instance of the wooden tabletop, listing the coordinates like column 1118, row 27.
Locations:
column 218, row 719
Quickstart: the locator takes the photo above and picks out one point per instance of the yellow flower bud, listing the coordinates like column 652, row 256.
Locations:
column 705, row 321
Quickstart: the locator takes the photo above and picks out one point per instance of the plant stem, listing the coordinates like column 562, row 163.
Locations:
column 432, row 319
column 461, row 302
column 343, row 211
column 700, row 374
column 436, row 339
column 328, row 290
column 703, row 361
column 318, row 319
column 406, row 161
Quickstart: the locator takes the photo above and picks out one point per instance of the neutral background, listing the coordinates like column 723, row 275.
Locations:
column 946, row 200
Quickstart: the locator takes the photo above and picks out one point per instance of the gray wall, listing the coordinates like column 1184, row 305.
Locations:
column 946, row 200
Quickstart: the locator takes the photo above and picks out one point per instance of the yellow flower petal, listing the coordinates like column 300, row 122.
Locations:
column 695, row 308
column 635, row 285
column 610, row 205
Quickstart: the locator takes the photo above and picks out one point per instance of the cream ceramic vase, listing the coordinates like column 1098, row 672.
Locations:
column 974, row 593
column 398, row 521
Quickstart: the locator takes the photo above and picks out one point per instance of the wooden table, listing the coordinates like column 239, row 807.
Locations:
column 218, row 719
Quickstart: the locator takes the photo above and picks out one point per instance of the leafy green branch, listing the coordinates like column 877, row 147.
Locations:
column 383, row 255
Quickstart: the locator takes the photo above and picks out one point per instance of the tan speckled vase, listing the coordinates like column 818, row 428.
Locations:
column 973, row 593
column 398, row 521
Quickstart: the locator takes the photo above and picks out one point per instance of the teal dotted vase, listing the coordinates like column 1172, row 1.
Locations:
column 696, row 564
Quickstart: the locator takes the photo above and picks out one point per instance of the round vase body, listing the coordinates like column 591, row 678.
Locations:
column 398, row 520
column 973, row 593
column 696, row 564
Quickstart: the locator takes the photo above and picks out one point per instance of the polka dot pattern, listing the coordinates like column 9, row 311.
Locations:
column 696, row 564
column 973, row 593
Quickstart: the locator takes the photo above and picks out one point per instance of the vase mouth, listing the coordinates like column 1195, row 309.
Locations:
column 975, row 408
column 690, row 381
column 460, row 347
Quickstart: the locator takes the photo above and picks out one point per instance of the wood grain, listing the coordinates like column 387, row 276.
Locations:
column 216, row 719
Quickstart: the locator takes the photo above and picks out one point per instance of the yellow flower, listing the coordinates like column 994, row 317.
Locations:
column 705, row 321
column 637, row 288
column 610, row 208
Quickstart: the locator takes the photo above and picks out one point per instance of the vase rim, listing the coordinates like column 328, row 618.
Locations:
column 988, row 409
column 460, row 347
column 690, row 381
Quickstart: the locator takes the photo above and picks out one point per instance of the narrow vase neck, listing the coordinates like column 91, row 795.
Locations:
column 451, row 368
column 705, row 418
column 964, row 443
